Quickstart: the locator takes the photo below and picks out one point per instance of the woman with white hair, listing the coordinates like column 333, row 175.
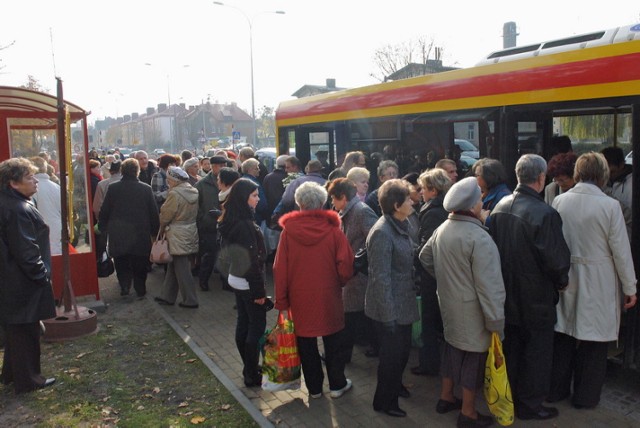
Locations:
column 313, row 262
column 191, row 166
column 360, row 177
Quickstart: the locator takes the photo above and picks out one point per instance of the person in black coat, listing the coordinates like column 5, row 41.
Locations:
column 26, row 296
column 129, row 217
column 434, row 186
column 535, row 262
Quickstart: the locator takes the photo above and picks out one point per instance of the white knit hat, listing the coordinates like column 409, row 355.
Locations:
column 177, row 173
column 463, row 195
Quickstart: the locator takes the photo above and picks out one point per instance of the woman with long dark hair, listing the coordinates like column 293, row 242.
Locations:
column 243, row 243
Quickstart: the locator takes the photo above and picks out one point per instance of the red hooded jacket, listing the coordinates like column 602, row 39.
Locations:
column 313, row 262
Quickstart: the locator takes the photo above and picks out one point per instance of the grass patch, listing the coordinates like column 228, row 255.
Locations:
column 135, row 372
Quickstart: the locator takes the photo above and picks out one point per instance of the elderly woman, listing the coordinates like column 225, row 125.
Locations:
column 360, row 177
column 560, row 169
column 243, row 243
column 463, row 258
column 390, row 299
column 26, row 296
column 492, row 179
column 191, row 166
column 601, row 273
column 434, row 184
column 178, row 220
column 313, row 262
column 357, row 219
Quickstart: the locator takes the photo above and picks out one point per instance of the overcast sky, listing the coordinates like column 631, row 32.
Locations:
column 198, row 49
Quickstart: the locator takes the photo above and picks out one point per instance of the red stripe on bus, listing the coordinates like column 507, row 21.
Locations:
column 582, row 73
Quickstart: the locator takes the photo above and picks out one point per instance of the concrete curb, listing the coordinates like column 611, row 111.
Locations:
column 213, row 367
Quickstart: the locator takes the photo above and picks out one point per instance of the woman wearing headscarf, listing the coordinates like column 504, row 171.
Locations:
column 312, row 263
column 357, row 219
column 178, row 220
column 243, row 245
column 601, row 280
column 390, row 299
column 463, row 258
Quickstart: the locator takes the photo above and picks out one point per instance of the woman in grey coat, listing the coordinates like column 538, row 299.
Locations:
column 357, row 219
column 390, row 299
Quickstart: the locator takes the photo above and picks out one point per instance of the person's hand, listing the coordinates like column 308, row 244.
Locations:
column 630, row 301
column 285, row 313
column 260, row 301
column 483, row 215
column 96, row 229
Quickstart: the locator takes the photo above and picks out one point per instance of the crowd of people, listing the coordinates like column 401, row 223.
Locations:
column 477, row 256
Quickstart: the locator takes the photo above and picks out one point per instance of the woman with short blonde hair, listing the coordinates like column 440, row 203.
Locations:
column 360, row 177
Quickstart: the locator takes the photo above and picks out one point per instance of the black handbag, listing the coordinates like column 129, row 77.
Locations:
column 105, row 265
column 361, row 262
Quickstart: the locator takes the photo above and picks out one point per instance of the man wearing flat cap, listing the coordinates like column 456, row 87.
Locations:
column 207, row 222
column 465, row 262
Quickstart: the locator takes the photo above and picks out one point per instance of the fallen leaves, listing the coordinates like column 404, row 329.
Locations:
column 191, row 360
column 83, row 354
column 197, row 420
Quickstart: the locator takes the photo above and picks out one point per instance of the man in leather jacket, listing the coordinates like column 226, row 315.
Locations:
column 535, row 266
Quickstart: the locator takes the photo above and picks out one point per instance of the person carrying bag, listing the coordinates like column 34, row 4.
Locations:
column 281, row 361
column 497, row 390
column 160, row 250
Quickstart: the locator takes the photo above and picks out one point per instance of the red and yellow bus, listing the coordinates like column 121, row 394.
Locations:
column 513, row 102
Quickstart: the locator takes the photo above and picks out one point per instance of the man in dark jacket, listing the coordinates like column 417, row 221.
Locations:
column 208, row 204
column 535, row 266
column 129, row 217
column 26, row 296
column 147, row 167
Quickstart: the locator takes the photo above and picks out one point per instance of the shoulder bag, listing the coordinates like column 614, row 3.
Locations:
column 160, row 250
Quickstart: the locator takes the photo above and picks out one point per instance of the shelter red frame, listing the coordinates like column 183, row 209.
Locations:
column 39, row 111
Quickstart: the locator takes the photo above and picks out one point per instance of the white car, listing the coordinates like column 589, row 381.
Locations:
column 629, row 158
column 467, row 148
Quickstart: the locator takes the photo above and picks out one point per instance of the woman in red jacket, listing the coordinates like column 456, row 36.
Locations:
column 313, row 262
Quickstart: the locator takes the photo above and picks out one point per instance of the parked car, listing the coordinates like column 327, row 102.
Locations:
column 467, row 148
column 629, row 158
column 159, row 152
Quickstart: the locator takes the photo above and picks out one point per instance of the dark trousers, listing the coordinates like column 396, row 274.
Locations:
column 529, row 355
column 432, row 330
column 334, row 355
column 357, row 329
column 583, row 361
column 132, row 268
column 21, row 364
column 208, row 255
column 250, row 326
column 395, row 344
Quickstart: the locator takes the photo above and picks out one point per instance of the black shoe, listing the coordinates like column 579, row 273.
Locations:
column 445, row 406
column 396, row 412
column 553, row 398
column 162, row 301
column 419, row 371
column 467, row 422
column 124, row 291
column 541, row 413
column 582, row 406
column 204, row 286
column 404, row 392
column 184, row 305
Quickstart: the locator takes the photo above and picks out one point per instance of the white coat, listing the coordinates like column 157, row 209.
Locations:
column 601, row 265
column 47, row 200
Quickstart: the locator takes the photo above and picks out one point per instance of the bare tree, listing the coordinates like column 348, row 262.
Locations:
column 3, row 47
column 391, row 58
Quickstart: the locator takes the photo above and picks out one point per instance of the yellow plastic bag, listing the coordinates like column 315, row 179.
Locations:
column 497, row 391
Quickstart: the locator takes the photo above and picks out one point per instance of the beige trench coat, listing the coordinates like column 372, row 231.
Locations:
column 601, row 265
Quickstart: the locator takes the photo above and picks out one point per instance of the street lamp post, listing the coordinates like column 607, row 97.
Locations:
column 173, row 129
column 249, row 22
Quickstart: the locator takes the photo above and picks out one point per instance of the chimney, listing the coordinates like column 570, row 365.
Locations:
column 127, row 118
column 150, row 111
column 509, row 35
column 134, row 116
column 183, row 105
column 331, row 83
column 162, row 107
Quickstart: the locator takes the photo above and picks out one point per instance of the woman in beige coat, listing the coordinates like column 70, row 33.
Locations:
column 466, row 264
column 178, row 220
column 601, row 273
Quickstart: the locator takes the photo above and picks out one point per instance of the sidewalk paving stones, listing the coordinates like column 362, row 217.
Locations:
column 210, row 330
